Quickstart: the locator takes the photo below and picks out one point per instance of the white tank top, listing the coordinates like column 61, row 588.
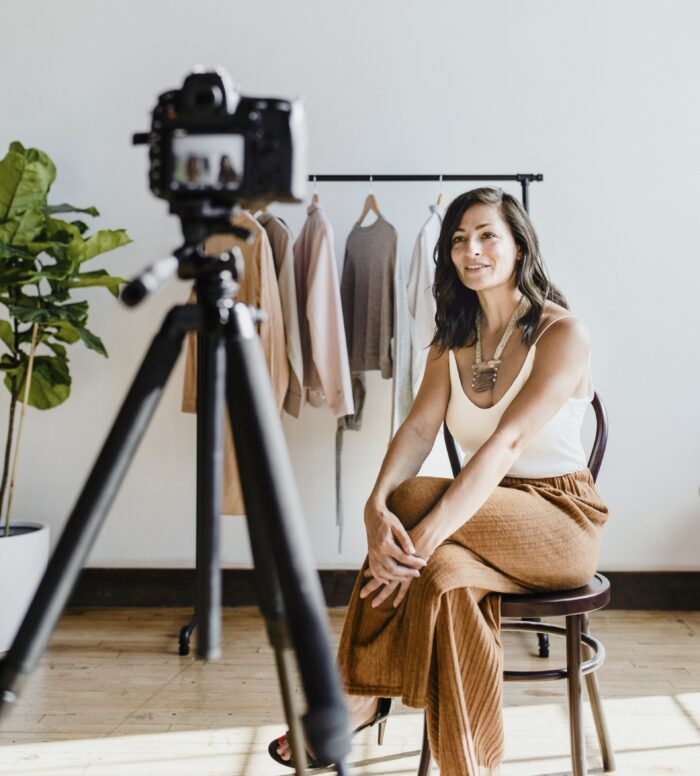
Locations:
column 557, row 449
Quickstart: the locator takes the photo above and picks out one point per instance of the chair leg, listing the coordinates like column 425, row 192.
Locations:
column 426, row 759
column 573, row 681
column 598, row 714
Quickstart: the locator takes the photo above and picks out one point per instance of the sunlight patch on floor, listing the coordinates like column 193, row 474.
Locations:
column 652, row 735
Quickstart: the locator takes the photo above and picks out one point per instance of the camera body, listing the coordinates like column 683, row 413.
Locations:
column 212, row 148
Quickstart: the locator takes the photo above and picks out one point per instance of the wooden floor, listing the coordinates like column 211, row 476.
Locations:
column 112, row 698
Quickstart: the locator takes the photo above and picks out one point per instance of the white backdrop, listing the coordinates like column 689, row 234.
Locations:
column 599, row 97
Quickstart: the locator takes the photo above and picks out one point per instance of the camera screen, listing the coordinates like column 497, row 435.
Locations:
column 207, row 161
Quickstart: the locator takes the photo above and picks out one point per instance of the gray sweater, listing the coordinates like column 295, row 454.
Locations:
column 367, row 294
column 375, row 311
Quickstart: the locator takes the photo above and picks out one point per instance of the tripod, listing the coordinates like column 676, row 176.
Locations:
column 231, row 372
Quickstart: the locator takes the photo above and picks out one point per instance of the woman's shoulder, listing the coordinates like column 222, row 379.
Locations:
column 552, row 312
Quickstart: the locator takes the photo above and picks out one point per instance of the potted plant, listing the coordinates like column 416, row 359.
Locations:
column 43, row 258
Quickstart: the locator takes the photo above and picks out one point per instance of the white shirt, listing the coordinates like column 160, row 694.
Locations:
column 421, row 303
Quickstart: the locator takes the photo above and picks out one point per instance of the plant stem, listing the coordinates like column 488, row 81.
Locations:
column 25, row 399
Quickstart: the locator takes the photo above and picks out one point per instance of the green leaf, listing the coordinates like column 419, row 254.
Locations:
column 7, row 335
column 8, row 364
column 91, row 341
column 11, row 252
column 50, row 381
column 40, row 311
column 26, row 176
column 66, row 208
column 66, row 332
column 81, row 226
column 59, row 350
column 101, row 242
column 99, row 277
column 23, row 228
column 58, row 230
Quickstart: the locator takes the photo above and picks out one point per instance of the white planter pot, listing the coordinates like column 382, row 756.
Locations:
column 23, row 558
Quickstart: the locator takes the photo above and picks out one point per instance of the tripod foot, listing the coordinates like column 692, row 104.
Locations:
column 185, row 633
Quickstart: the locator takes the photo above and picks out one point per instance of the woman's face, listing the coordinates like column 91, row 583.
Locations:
column 484, row 239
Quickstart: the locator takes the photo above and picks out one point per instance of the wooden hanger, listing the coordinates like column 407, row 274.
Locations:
column 370, row 204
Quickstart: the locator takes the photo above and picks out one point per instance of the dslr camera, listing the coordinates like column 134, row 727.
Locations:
column 211, row 148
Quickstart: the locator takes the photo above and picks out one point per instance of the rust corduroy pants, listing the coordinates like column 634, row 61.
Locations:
column 441, row 648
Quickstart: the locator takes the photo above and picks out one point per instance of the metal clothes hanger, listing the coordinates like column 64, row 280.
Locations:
column 370, row 204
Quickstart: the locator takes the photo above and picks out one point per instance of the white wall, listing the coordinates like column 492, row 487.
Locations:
column 600, row 97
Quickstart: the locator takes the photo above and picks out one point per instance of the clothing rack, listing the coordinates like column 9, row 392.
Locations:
column 523, row 178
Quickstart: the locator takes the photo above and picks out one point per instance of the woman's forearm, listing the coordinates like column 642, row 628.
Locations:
column 406, row 454
column 468, row 492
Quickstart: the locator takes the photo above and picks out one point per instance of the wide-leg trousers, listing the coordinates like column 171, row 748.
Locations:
column 441, row 648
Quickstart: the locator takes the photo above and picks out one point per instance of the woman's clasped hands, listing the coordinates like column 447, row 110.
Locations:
column 395, row 555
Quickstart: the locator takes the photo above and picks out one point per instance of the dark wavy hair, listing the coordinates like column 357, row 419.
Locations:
column 457, row 305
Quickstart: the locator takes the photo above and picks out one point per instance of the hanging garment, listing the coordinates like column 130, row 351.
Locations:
column 258, row 288
column 375, row 310
column 326, row 369
column 367, row 292
column 421, row 302
column 281, row 242
column 325, row 358
column 401, row 395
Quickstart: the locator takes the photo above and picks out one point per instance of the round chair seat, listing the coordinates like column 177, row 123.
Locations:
column 558, row 603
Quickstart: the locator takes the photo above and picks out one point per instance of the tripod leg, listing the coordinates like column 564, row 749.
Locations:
column 279, row 538
column 94, row 501
column 211, row 379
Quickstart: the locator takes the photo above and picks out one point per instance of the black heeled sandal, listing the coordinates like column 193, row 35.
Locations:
column 380, row 718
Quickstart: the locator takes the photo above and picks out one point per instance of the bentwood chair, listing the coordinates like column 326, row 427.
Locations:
column 574, row 605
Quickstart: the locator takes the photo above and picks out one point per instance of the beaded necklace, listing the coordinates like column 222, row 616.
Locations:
column 484, row 373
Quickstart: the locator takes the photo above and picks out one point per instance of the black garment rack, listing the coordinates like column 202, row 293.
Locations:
column 523, row 178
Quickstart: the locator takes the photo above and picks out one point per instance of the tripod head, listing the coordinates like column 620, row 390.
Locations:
column 190, row 260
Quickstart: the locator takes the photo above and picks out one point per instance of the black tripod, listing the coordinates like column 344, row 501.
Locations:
column 230, row 365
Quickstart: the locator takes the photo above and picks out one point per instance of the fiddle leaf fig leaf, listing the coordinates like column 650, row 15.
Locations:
column 81, row 226
column 59, row 350
column 26, row 176
column 66, row 208
column 7, row 335
column 101, row 242
column 50, row 381
column 91, row 341
column 65, row 332
column 40, row 311
column 99, row 277
column 23, row 228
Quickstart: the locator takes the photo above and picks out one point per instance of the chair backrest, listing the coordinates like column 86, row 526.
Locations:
column 597, row 451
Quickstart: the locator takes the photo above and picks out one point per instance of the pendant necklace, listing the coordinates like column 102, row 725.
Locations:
column 484, row 373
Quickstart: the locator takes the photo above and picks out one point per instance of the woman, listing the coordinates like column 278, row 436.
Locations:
column 523, row 514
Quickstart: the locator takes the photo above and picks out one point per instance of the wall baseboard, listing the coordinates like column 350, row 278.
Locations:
column 665, row 590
